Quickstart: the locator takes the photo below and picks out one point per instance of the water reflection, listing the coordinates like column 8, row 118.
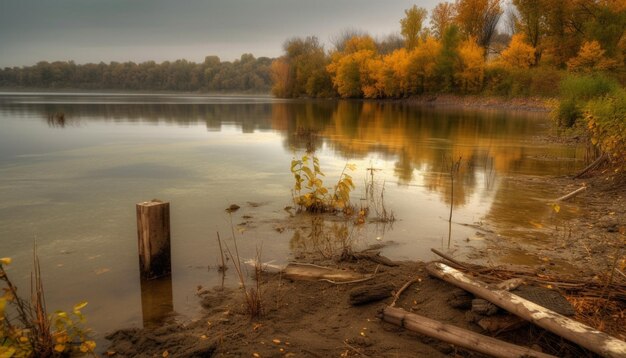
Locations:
column 71, row 185
column 157, row 300
column 419, row 140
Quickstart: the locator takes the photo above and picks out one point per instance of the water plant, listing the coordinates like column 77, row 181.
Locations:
column 26, row 330
column 309, row 191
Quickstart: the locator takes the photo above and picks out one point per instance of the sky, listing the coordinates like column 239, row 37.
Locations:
column 141, row 30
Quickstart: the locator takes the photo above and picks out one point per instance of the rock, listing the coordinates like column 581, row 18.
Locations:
column 460, row 299
column 483, row 307
column 232, row 208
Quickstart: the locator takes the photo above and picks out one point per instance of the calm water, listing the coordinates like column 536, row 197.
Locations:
column 71, row 185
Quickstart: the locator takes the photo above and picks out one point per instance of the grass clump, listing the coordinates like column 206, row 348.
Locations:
column 27, row 330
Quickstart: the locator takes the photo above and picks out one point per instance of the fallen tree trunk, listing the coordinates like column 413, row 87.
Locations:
column 457, row 336
column 370, row 293
column 583, row 335
column 592, row 166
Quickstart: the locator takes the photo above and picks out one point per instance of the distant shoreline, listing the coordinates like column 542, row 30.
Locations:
column 451, row 101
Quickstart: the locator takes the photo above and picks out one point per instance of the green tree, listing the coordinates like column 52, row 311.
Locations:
column 411, row 25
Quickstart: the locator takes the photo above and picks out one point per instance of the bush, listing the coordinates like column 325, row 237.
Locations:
column 586, row 87
column 606, row 120
column 575, row 91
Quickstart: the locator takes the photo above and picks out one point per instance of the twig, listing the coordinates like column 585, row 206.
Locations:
column 591, row 166
column 449, row 258
column 355, row 350
column 396, row 296
column 219, row 241
column 572, row 194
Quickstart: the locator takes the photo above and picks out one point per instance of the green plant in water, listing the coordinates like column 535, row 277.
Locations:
column 34, row 333
column 310, row 192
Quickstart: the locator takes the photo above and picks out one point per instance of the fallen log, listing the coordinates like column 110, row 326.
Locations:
column 457, row 336
column 592, row 166
column 581, row 334
column 370, row 293
column 310, row 272
column 572, row 194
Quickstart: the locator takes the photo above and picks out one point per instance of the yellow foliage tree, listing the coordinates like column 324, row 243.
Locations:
column 422, row 66
column 590, row 58
column 351, row 71
column 392, row 74
column 411, row 25
column 519, row 54
column 441, row 17
column 280, row 77
column 470, row 70
column 478, row 19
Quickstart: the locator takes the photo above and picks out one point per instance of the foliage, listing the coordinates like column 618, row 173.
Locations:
column 316, row 197
column 441, row 17
column 575, row 90
column 478, row 19
column 30, row 331
column 519, row 54
column 411, row 25
column 590, row 59
column 244, row 74
column 301, row 71
column 470, row 69
column 351, row 72
column 447, row 58
column 606, row 120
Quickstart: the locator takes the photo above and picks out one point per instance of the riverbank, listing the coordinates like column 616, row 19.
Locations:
column 525, row 104
column 316, row 319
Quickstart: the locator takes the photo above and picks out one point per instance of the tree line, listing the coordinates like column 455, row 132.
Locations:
column 246, row 74
column 462, row 51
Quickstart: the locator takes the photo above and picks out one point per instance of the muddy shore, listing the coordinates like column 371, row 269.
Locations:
column 315, row 318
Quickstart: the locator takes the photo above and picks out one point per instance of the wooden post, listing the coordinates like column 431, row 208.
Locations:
column 153, row 234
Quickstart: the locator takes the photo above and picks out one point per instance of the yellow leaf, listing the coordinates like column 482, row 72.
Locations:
column 59, row 348
column 166, row 354
column 3, row 304
column 80, row 306
column 88, row 346
column 6, row 352
column 5, row 261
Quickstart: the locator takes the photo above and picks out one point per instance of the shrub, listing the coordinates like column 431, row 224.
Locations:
column 606, row 120
column 575, row 91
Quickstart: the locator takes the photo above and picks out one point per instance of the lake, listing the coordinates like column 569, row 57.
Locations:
column 73, row 166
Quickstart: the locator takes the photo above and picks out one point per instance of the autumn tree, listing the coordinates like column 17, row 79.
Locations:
column 478, row 19
column 422, row 66
column 441, row 17
column 470, row 68
column 531, row 19
column 519, row 54
column 304, row 62
column 411, row 25
column 447, row 58
column 590, row 59
column 350, row 69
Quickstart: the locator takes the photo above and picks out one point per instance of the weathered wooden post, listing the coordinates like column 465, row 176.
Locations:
column 153, row 234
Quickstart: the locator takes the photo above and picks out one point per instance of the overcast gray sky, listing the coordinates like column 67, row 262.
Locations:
column 140, row 30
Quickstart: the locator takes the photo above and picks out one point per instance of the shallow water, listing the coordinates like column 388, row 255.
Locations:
column 70, row 184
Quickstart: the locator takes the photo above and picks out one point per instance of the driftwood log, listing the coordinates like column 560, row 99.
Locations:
column 370, row 293
column 572, row 194
column 457, row 336
column 581, row 334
